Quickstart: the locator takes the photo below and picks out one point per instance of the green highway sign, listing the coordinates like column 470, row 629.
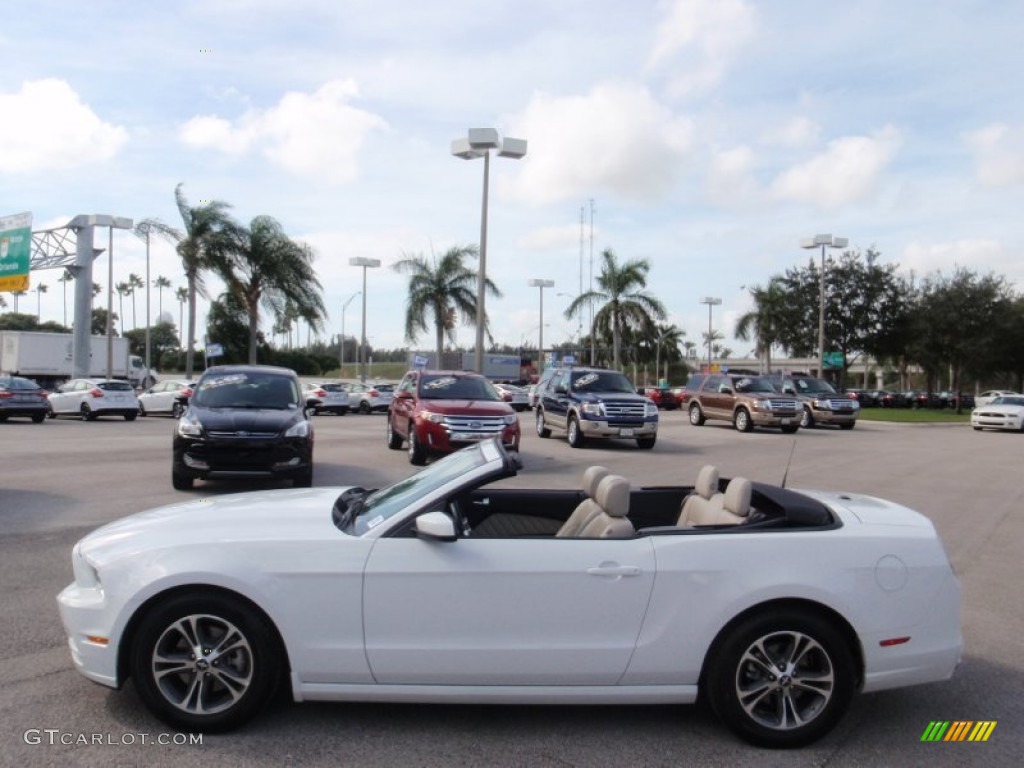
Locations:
column 15, row 249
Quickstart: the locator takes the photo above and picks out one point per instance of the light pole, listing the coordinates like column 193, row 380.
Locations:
column 479, row 143
column 341, row 352
column 825, row 241
column 359, row 261
column 711, row 301
column 542, row 284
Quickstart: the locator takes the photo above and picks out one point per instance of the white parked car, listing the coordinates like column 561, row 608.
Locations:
column 987, row 397
column 1005, row 412
column 776, row 606
column 514, row 395
column 332, row 397
column 367, row 398
column 90, row 398
column 169, row 396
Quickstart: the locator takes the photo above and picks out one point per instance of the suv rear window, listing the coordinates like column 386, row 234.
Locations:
column 116, row 386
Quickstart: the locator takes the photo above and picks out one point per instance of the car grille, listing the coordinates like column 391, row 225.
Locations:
column 624, row 409
column 781, row 405
column 242, row 435
column 839, row 405
column 473, row 427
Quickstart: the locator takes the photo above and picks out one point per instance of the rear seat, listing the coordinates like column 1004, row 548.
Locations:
column 704, row 501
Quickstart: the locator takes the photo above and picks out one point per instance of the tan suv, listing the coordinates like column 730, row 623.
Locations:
column 746, row 400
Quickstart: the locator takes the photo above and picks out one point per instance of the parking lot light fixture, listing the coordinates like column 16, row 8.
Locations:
column 359, row 261
column 825, row 241
column 478, row 143
column 542, row 284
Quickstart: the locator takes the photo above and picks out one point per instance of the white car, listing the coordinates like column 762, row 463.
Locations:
column 514, row 395
column 367, row 398
column 1005, row 412
column 777, row 607
column 169, row 396
column 987, row 397
column 331, row 396
column 89, row 398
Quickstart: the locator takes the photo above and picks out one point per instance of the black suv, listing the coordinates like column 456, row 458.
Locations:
column 821, row 403
column 594, row 402
column 244, row 421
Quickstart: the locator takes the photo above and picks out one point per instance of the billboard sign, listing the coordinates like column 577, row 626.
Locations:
column 15, row 250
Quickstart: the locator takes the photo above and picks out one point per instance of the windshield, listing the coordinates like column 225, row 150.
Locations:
column 1008, row 401
column 808, row 386
column 448, row 387
column 601, row 381
column 381, row 505
column 753, row 384
column 246, row 389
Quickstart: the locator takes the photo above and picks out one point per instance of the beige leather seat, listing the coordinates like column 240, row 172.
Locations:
column 611, row 522
column 735, row 508
column 705, row 499
column 586, row 509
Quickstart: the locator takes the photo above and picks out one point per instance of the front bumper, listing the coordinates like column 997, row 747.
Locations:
column 774, row 418
column 438, row 439
column 626, row 429
column 86, row 617
column 236, row 457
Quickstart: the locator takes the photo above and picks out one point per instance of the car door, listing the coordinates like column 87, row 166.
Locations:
column 541, row 611
column 68, row 397
column 161, row 396
column 716, row 404
column 401, row 410
column 555, row 400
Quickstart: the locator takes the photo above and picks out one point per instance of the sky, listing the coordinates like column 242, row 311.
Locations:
column 707, row 137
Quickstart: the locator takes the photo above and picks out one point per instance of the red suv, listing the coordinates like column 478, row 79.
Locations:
column 442, row 411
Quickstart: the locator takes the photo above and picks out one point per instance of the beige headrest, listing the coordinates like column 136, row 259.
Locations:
column 707, row 481
column 613, row 495
column 592, row 477
column 737, row 496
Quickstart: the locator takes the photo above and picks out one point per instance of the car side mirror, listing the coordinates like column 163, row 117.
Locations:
column 725, row 389
column 435, row 525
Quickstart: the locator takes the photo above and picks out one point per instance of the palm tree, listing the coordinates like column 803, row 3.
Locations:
column 204, row 244
column 160, row 283
column 17, row 295
column 134, row 283
column 181, row 294
column 40, row 290
column 443, row 289
column 64, row 279
column 763, row 321
column 626, row 304
column 265, row 267
column 123, row 289
column 97, row 289
column 669, row 336
column 711, row 342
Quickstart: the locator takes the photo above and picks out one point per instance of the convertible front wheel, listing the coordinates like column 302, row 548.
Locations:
column 781, row 679
column 205, row 663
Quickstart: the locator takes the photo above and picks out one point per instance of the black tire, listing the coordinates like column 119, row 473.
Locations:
column 38, row 417
column 542, row 430
column 238, row 672
column 806, row 419
column 182, row 482
column 417, row 453
column 142, row 409
column 646, row 443
column 573, row 433
column 176, row 410
column 848, row 425
column 393, row 438
column 130, row 416
column 977, row 429
column 696, row 415
column 50, row 414
column 86, row 413
column 364, row 407
column 742, row 421
column 304, row 479
column 790, row 429
column 784, row 657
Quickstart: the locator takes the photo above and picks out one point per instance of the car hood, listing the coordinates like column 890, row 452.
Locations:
column 596, row 397
column 468, row 407
column 1005, row 410
column 870, row 510
column 247, row 419
column 274, row 515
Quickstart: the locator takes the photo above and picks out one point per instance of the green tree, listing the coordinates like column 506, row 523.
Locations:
column 762, row 323
column 134, row 283
column 160, row 283
column 264, row 267
column 123, row 289
column 163, row 337
column 40, row 290
column 64, row 279
column 99, row 322
column 181, row 294
column 624, row 302
column 442, row 289
column 228, row 325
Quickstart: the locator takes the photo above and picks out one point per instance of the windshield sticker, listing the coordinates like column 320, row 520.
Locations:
column 373, row 523
column 220, row 381
column 586, row 379
column 440, row 383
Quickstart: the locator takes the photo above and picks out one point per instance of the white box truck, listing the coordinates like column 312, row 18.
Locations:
column 46, row 358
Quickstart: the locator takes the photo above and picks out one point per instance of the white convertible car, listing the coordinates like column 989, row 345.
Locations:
column 775, row 606
column 1003, row 412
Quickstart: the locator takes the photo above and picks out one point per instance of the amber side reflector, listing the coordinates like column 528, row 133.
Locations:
column 97, row 640
column 894, row 641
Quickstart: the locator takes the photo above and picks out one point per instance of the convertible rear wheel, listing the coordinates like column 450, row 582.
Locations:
column 205, row 663
column 781, row 679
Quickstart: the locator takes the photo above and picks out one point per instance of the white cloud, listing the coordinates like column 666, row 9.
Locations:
column 550, row 238
column 45, row 126
column 616, row 139
column 794, row 133
column 999, row 153
column 847, row 171
column 730, row 178
column 981, row 255
column 318, row 134
column 700, row 39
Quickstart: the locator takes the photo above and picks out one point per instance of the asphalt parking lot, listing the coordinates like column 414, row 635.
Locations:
column 63, row 478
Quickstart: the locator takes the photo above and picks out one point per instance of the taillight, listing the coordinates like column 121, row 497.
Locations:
column 96, row 392
column 320, row 393
column 373, row 393
column 5, row 394
column 186, row 392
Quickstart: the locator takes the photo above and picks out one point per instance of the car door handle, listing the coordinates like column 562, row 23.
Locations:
column 616, row 571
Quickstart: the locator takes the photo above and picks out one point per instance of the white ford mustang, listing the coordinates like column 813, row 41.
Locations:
column 777, row 606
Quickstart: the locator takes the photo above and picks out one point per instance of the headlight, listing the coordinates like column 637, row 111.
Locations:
column 85, row 574
column 593, row 409
column 650, row 409
column 433, row 418
column 856, row 405
column 299, row 429
column 510, row 418
column 189, row 426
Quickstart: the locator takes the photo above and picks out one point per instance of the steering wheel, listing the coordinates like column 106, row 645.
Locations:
column 461, row 523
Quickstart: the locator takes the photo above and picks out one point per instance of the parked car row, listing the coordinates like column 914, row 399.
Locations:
column 917, row 398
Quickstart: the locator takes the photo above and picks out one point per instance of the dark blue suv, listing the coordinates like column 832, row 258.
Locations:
column 594, row 403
